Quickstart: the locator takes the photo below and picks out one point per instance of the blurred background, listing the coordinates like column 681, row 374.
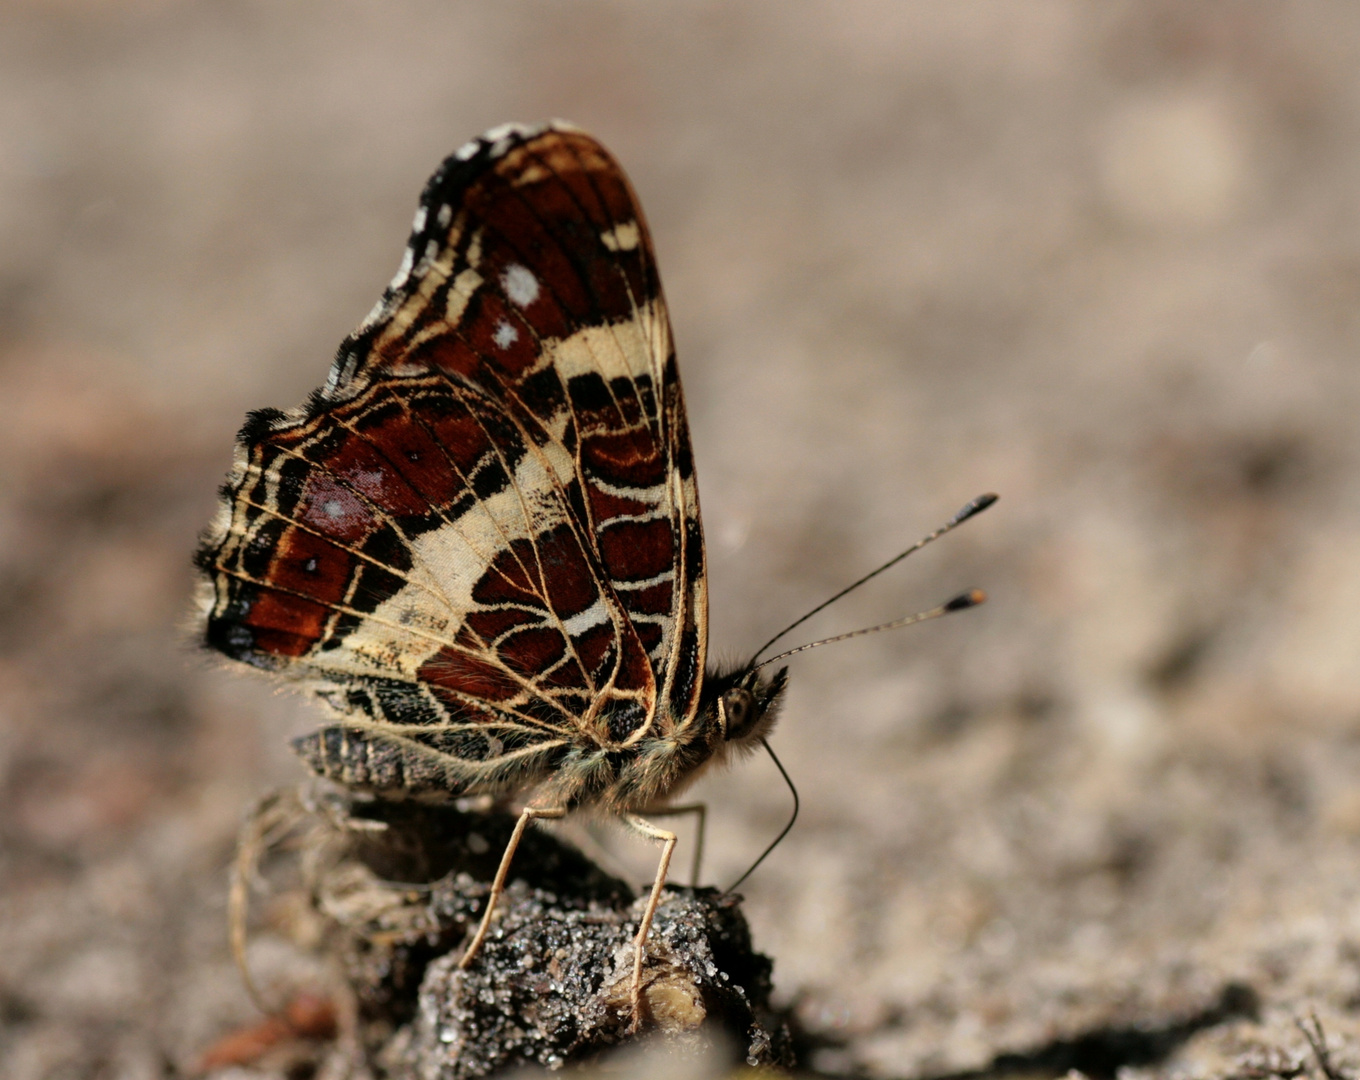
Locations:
column 1102, row 259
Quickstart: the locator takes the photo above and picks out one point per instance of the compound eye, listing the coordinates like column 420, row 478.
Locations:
column 740, row 708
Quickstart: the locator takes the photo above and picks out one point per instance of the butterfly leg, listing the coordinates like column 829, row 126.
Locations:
column 700, row 812
column 667, row 839
column 498, row 885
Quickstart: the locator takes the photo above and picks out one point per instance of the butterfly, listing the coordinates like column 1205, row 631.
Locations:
column 479, row 542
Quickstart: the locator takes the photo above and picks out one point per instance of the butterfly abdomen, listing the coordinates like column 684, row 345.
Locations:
column 378, row 764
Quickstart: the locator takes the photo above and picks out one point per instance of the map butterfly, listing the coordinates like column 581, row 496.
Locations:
column 479, row 542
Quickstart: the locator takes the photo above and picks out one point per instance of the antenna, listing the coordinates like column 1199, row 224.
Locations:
column 962, row 602
column 971, row 510
column 783, row 833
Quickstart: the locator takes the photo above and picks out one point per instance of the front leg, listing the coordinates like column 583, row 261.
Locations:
column 700, row 812
column 498, row 885
column 651, row 832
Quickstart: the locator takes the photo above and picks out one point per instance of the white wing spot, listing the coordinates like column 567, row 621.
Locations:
column 520, row 284
column 503, row 137
column 408, row 260
column 621, row 237
column 419, row 222
column 505, row 335
column 499, row 139
column 665, row 575
column 444, row 216
column 595, row 615
column 375, row 313
column 332, row 508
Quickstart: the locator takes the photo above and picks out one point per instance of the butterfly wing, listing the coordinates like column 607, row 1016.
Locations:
column 479, row 542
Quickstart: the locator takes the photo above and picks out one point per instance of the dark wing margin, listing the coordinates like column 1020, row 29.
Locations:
column 479, row 541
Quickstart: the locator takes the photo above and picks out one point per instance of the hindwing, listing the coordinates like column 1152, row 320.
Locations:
column 479, row 541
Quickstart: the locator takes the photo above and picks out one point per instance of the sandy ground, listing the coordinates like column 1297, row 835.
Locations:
column 1103, row 259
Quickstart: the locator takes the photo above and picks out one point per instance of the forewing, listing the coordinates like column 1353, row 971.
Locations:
column 480, row 540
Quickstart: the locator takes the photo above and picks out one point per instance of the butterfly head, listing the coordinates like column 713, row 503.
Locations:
column 745, row 704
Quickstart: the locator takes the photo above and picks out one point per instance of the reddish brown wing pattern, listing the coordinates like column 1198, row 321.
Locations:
column 479, row 542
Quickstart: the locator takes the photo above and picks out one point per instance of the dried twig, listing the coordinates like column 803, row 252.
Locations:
column 1317, row 1042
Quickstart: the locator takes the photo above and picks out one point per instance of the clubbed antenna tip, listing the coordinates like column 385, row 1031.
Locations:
column 973, row 508
column 972, row 598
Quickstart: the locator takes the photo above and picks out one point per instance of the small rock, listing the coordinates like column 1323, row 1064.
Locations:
column 551, row 984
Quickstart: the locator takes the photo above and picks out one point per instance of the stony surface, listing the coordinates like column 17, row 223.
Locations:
column 389, row 893
column 553, row 988
column 1101, row 258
